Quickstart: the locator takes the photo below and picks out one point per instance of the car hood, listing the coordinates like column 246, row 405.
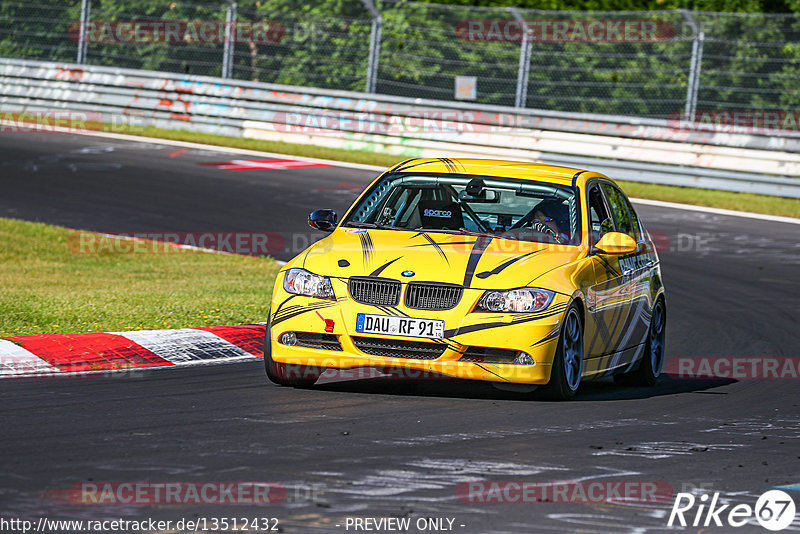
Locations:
column 473, row 261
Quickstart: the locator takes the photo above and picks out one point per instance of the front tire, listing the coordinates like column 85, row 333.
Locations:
column 565, row 375
column 298, row 376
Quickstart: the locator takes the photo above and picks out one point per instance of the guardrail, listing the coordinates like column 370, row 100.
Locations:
column 645, row 150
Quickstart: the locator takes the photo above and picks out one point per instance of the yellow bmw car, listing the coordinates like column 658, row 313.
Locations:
column 501, row 271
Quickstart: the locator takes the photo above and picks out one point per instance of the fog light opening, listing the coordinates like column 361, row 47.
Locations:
column 523, row 358
column 289, row 338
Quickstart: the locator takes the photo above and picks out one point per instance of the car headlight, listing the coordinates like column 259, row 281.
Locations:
column 525, row 299
column 302, row 282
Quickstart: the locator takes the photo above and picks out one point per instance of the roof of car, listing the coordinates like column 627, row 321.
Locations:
column 525, row 170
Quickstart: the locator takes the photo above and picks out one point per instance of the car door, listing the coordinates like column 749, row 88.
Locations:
column 611, row 296
column 635, row 269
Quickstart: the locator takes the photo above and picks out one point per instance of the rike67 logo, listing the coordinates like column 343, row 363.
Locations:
column 774, row 510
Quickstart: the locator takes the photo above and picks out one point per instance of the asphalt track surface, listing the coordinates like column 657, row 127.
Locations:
column 380, row 448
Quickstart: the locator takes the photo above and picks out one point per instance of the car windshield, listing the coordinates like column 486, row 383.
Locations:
column 505, row 208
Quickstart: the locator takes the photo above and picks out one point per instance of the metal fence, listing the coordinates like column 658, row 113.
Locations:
column 658, row 64
column 37, row 96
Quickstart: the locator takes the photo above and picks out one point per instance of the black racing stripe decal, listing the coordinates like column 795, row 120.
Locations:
column 455, row 347
column 282, row 303
column 401, row 312
column 391, row 310
column 370, row 244
column 481, row 244
column 414, row 165
column 554, row 333
column 450, row 167
column 287, row 316
column 387, row 309
column 525, row 317
column 607, row 266
column 397, row 167
column 366, row 247
column 435, row 245
column 491, row 372
column 314, row 304
column 442, row 244
column 305, row 256
column 621, row 312
column 287, row 309
column 502, row 266
column 453, row 165
column 379, row 270
column 293, row 309
column 478, row 327
column 607, row 330
column 630, row 322
column 604, row 336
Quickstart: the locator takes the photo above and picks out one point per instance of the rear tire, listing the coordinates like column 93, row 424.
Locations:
column 298, row 376
column 653, row 360
column 565, row 375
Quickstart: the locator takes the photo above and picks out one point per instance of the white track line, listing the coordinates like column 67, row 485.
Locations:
column 215, row 148
column 715, row 211
column 16, row 361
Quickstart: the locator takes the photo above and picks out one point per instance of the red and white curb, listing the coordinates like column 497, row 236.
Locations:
column 62, row 354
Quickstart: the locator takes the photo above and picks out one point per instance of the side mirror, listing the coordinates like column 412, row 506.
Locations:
column 616, row 243
column 324, row 220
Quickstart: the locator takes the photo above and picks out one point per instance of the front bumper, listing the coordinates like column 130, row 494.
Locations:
column 344, row 348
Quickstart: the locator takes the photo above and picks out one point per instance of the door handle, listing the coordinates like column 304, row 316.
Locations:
column 649, row 264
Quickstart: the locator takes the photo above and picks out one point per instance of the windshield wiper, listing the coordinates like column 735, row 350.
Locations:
column 474, row 232
column 440, row 230
column 377, row 226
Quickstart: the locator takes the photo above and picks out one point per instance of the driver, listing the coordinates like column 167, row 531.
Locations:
column 552, row 218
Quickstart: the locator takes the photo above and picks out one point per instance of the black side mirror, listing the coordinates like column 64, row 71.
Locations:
column 324, row 220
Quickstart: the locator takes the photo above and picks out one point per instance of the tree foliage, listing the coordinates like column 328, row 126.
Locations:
column 748, row 62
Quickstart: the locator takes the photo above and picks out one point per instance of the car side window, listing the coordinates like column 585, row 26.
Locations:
column 619, row 210
column 637, row 225
column 599, row 221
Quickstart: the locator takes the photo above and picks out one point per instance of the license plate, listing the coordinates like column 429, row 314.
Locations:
column 399, row 326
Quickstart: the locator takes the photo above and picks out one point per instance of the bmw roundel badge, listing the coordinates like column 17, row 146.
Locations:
column 408, row 274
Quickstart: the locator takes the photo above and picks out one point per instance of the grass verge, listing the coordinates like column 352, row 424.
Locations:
column 787, row 207
column 47, row 287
